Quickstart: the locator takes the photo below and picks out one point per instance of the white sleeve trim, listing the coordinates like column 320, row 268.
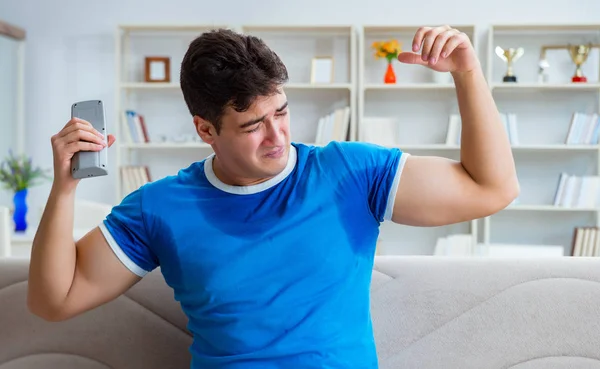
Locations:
column 389, row 209
column 130, row 264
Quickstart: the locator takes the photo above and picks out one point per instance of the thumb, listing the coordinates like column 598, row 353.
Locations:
column 411, row 58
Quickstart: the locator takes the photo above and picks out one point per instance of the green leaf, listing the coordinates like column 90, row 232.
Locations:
column 17, row 173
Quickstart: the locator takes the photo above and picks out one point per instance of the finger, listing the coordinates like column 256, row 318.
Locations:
column 429, row 39
column 411, row 58
column 454, row 41
column 418, row 38
column 80, row 125
column 81, row 135
column 88, row 126
column 77, row 146
column 70, row 122
column 438, row 45
column 75, row 120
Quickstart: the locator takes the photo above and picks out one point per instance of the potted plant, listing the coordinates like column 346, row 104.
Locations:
column 18, row 175
column 388, row 50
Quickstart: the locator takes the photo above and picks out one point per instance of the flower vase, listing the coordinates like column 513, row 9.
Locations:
column 390, row 74
column 20, row 212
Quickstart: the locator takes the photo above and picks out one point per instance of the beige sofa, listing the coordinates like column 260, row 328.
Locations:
column 428, row 312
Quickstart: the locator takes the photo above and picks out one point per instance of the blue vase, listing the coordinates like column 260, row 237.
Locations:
column 20, row 214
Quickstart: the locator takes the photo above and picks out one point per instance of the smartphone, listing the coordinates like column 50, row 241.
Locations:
column 86, row 164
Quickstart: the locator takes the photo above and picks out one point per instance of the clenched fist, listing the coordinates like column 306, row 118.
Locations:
column 443, row 49
column 77, row 135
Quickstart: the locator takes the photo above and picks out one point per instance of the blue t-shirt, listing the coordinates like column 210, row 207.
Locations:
column 274, row 275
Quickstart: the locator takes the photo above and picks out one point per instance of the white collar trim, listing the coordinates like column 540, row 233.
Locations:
column 252, row 189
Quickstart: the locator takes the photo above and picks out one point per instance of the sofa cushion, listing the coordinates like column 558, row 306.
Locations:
column 443, row 312
column 145, row 328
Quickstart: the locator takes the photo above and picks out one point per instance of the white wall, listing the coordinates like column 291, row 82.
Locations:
column 9, row 79
column 69, row 53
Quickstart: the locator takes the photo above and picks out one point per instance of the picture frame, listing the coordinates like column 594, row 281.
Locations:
column 321, row 70
column 157, row 69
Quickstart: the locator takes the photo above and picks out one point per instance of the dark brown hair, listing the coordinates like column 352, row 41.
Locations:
column 223, row 68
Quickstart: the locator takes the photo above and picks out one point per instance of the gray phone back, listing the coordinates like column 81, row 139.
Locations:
column 86, row 164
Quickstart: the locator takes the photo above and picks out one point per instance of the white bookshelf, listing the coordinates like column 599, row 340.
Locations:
column 416, row 112
column 173, row 140
column 416, row 108
column 544, row 108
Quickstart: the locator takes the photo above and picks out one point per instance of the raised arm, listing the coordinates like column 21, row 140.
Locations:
column 435, row 191
column 66, row 277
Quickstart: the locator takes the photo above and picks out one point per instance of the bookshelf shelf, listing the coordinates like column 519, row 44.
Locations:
column 161, row 29
column 309, row 86
column 167, row 146
column 148, row 85
column 411, row 86
column 548, row 208
column 555, row 147
column 517, row 148
column 298, row 30
column 506, row 86
column 412, row 147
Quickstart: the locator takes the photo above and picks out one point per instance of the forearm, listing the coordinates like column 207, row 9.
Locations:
column 485, row 148
column 53, row 255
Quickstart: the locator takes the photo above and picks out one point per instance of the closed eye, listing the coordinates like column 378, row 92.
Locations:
column 280, row 114
column 254, row 129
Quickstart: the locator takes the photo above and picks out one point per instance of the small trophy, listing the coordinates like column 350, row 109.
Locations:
column 579, row 54
column 510, row 56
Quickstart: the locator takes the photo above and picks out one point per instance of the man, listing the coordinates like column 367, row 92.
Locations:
column 268, row 244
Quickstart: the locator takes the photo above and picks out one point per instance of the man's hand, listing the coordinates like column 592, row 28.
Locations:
column 77, row 135
column 443, row 49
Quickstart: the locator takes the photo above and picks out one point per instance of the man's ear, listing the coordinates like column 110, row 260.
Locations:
column 205, row 130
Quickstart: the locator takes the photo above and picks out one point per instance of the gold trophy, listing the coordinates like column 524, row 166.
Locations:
column 579, row 54
column 510, row 56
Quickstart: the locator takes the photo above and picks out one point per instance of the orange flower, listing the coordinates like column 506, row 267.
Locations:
column 387, row 49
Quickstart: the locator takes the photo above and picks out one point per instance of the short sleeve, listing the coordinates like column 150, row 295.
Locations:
column 377, row 171
column 125, row 231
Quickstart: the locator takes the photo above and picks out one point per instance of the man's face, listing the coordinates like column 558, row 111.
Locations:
column 252, row 146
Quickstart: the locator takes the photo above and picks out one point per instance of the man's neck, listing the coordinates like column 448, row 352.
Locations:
column 232, row 180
